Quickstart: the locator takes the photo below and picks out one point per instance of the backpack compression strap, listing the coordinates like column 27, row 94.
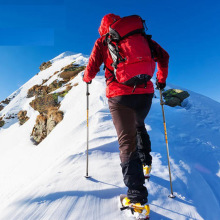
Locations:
column 114, row 51
column 112, row 75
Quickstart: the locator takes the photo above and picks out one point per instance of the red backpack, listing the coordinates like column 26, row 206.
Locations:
column 131, row 51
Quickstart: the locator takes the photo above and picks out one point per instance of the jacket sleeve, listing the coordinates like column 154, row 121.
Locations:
column 95, row 61
column 162, row 59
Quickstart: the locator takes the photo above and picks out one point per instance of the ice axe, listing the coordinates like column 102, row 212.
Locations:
column 165, row 132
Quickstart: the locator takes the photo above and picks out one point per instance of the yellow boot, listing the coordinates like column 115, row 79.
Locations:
column 139, row 211
column 147, row 170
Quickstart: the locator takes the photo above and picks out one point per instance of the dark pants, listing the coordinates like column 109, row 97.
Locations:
column 128, row 114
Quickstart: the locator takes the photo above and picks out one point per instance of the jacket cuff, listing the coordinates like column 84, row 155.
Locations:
column 86, row 78
column 162, row 74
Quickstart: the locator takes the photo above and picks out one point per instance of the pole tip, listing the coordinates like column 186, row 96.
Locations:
column 87, row 176
column 172, row 196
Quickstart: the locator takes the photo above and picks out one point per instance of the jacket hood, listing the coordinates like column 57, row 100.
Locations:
column 107, row 20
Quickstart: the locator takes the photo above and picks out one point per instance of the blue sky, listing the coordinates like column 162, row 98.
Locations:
column 32, row 32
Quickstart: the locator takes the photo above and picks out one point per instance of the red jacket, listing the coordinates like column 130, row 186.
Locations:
column 101, row 54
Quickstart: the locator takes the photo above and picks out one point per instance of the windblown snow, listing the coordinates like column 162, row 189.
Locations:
column 47, row 181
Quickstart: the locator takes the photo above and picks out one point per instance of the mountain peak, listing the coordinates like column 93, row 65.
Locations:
column 67, row 54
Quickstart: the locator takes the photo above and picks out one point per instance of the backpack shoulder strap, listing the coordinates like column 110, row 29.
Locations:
column 150, row 43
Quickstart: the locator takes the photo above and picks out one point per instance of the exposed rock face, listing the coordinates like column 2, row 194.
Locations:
column 54, row 116
column 71, row 71
column 45, row 123
column 37, row 90
column 69, row 87
column 47, row 104
column 56, row 84
column 22, row 117
column 56, row 72
column 2, row 122
column 44, row 81
column 45, row 65
column 63, row 93
column 174, row 97
column 76, row 84
column 6, row 101
column 43, row 103
column 39, row 131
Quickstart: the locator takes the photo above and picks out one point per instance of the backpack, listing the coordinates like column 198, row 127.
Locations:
column 131, row 51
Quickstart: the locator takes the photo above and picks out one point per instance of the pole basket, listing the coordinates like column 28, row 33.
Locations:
column 87, row 177
column 172, row 196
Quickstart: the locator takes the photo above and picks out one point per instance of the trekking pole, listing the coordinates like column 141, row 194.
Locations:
column 87, row 151
column 165, row 131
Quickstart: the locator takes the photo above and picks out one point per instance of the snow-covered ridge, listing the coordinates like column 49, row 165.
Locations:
column 70, row 55
column 47, row 181
column 19, row 100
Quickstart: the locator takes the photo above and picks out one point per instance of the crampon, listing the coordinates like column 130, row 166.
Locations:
column 138, row 210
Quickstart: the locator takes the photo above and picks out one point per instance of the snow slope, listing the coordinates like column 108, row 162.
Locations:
column 47, row 181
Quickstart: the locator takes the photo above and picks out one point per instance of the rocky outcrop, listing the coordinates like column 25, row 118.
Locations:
column 39, row 131
column 43, row 100
column 6, row 101
column 56, row 84
column 69, row 87
column 44, row 81
column 76, row 84
column 63, row 93
column 43, row 103
column 45, row 123
column 174, row 97
column 71, row 71
column 2, row 122
column 47, row 104
column 22, row 117
column 54, row 116
column 37, row 90
column 45, row 65
column 55, row 73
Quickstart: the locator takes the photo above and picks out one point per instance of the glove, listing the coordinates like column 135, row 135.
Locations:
column 159, row 85
column 85, row 81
